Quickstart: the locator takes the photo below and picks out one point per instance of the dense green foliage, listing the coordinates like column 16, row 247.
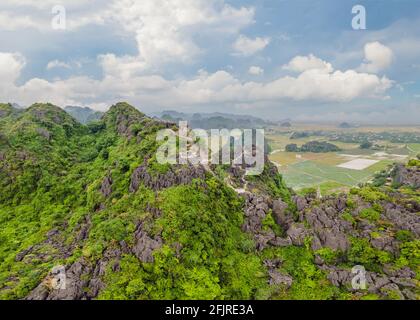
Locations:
column 217, row 258
column 51, row 175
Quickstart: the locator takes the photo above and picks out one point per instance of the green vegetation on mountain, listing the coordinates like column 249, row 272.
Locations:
column 52, row 172
column 215, row 120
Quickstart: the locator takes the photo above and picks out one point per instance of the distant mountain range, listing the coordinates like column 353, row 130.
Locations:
column 346, row 125
column 83, row 114
column 215, row 120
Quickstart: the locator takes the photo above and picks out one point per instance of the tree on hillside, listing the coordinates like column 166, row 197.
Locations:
column 366, row 145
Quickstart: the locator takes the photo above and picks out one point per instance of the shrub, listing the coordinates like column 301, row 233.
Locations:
column 410, row 255
column 268, row 223
column 348, row 217
column 414, row 163
column 404, row 236
column 361, row 252
column 329, row 255
column 370, row 214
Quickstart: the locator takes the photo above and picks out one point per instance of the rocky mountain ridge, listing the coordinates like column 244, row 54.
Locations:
column 94, row 200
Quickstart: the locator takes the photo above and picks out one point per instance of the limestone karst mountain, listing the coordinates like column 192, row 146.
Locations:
column 92, row 200
column 84, row 115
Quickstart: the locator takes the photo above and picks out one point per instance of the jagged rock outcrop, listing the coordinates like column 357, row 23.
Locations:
column 407, row 176
column 281, row 214
column 82, row 280
column 44, row 133
column 385, row 243
column 144, row 245
column 106, row 187
column 155, row 212
column 297, row 234
column 123, row 125
column 111, row 256
column 400, row 282
column 256, row 210
column 19, row 257
column 328, row 229
column 276, row 277
column 59, row 249
column 122, row 117
column 300, row 202
column 402, row 218
column 324, row 225
column 75, row 282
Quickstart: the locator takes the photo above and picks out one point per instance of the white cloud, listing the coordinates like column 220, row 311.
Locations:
column 165, row 30
column 220, row 87
column 245, row 46
column 179, row 32
column 57, row 64
column 305, row 63
column 256, row 71
column 10, row 21
column 121, row 67
column 11, row 65
column 378, row 57
column 339, row 86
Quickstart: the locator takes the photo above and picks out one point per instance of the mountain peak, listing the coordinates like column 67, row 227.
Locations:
column 122, row 116
column 49, row 112
column 125, row 109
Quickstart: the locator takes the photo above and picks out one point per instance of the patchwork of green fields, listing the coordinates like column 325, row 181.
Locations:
column 309, row 174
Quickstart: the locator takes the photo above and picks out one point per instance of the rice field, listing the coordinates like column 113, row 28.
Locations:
column 414, row 148
column 334, row 172
column 358, row 164
column 311, row 174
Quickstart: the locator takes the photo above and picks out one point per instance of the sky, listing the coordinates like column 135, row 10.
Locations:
column 300, row 59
